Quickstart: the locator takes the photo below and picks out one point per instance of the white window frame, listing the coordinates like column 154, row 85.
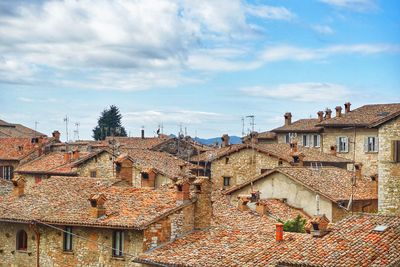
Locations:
column 7, row 172
column 342, row 140
column 317, row 141
column 118, row 243
column 371, row 144
column 67, row 241
column 289, row 137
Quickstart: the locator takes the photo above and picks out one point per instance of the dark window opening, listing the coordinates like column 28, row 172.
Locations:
column 296, row 159
column 180, row 188
column 6, row 172
column 93, row 174
column 226, row 160
column 280, row 162
column 198, row 187
column 145, row 175
column 67, row 241
column 118, row 243
column 118, row 167
column 22, row 240
column 227, row 181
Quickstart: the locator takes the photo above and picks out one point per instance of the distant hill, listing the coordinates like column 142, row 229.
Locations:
column 210, row 141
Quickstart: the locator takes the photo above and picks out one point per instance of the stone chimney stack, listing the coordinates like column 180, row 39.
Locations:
column 320, row 116
column 242, row 202
column 225, row 140
column 124, row 168
column 56, row 135
column 288, row 118
column 19, row 186
column 328, row 113
column 318, row 225
column 203, row 205
column 183, row 191
column 279, row 232
column 347, row 107
column 298, row 158
column 338, row 111
column 261, row 208
column 294, row 147
column 97, row 203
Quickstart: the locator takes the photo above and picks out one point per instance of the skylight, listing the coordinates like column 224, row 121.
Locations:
column 380, row 228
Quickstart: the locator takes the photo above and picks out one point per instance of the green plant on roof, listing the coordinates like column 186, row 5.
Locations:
column 296, row 225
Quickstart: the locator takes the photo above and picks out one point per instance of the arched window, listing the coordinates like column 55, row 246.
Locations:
column 22, row 240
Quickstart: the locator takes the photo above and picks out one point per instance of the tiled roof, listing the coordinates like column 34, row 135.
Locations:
column 279, row 209
column 161, row 161
column 331, row 182
column 238, row 238
column 17, row 130
column 282, row 151
column 303, row 125
column 15, row 148
column 138, row 142
column 54, row 163
column 64, row 200
column 368, row 115
column 199, row 147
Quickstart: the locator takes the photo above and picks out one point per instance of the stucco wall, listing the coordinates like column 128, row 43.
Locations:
column 389, row 171
column 242, row 166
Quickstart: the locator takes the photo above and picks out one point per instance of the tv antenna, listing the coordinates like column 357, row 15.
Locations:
column 36, row 123
column 243, row 133
column 251, row 122
column 66, row 120
column 76, row 132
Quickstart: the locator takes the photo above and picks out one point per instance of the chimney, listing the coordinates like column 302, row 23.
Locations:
column 203, row 206
column 347, row 107
column 279, row 232
column 148, row 178
column 97, row 202
column 288, row 118
column 298, row 158
column 124, row 168
column 225, row 140
column 320, row 116
column 142, row 132
column 182, row 191
column 75, row 154
column 261, row 207
column 338, row 111
column 357, row 169
column 328, row 113
column 293, row 147
column 332, row 150
column 318, row 226
column 242, row 202
column 56, row 135
column 19, row 186
column 67, row 157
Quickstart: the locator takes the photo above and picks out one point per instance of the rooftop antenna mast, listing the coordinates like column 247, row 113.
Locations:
column 66, row 120
column 252, row 124
column 36, row 123
column 76, row 132
column 243, row 133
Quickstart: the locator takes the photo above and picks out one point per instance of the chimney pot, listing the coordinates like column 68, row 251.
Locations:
column 183, row 191
column 56, row 134
column 338, row 111
column 225, row 140
column 19, row 186
column 320, row 116
column 294, row 147
column 357, row 169
column 142, row 133
column 261, row 208
column 279, row 232
column 242, row 202
column 328, row 113
column 67, row 157
column 288, row 118
column 347, row 107
column 75, row 154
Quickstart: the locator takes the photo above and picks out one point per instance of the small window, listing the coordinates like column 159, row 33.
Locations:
column 38, row 179
column 93, row 174
column 22, row 240
column 306, row 140
column 67, row 241
column 371, row 144
column 226, row 160
column 289, row 137
column 118, row 243
column 280, row 163
column 317, row 140
column 6, row 172
column 343, row 144
column 145, row 175
column 396, row 150
column 227, row 181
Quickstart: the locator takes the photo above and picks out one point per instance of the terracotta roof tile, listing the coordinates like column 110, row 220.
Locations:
column 64, row 200
column 303, row 125
column 15, row 148
column 18, row 130
column 138, row 142
column 281, row 210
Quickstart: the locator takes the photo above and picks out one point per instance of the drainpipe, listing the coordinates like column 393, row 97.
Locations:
column 37, row 234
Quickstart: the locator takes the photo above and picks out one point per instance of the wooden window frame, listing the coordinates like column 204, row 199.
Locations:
column 226, row 178
column 118, row 244
column 68, row 239
column 22, row 240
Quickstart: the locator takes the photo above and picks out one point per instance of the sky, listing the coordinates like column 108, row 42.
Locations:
column 195, row 65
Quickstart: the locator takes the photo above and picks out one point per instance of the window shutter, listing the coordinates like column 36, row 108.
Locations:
column 338, row 144
column 393, row 151
column 376, row 145
column 311, row 140
column 366, row 144
column 318, row 141
column 347, row 144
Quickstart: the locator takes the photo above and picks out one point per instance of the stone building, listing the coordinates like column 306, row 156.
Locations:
column 95, row 164
column 12, row 130
column 331, row 191
column 235, row 164
column 72, row 221
column 260, row 138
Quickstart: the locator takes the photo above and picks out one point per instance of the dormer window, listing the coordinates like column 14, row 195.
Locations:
column 117, row 167
column 179, row 187
column 20, row 148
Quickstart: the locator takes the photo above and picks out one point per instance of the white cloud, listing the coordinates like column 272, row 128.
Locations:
column 355, row 5
column 270, row 12
column 322, row 29
column 303, row 92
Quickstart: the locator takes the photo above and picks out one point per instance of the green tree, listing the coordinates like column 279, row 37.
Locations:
column 109, row 124
column 296, row 225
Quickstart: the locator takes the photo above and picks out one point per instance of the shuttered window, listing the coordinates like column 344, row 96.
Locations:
column 67, row 241
column 6, row 172
column 396, row 150
column 342, row 144
column 371, row 144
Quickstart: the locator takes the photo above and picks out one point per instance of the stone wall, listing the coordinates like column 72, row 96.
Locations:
column 242, row 166
column 102, row 164
column 389, row 171
column 368, row 159
column 369, row 206
column 93, row 250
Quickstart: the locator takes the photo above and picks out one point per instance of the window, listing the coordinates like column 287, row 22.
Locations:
column 6, row 172
column 342, row 144
column 145, row 175
column 289, row 137
column 93, row 174
column 317, row 140
column 371, row 144
column 227, row 181
column 22, row 240
column 67, row 241
column 396, row 150
column 118, row 243
column 226, row 160
column 311, row 140
column 38, row 179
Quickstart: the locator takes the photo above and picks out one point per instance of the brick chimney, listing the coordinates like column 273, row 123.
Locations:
column 333, row 150
column 56, row 135
column 288, row 118
column 75, row 154
column 148, row 178
column 261, row 207
column 19, row 186
column 97, row 203
column 298, row 158
column 347, row 107
column 279, row 232
column 338, row 111
column 317, row 226
column 67, row 157
column 328, row 113
column 320, row 115
column 357, row 170
column 242, row 202
column 225, row 140
column 182, row 191
column 124, row 168
column 203, row 205
column 293, row 147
